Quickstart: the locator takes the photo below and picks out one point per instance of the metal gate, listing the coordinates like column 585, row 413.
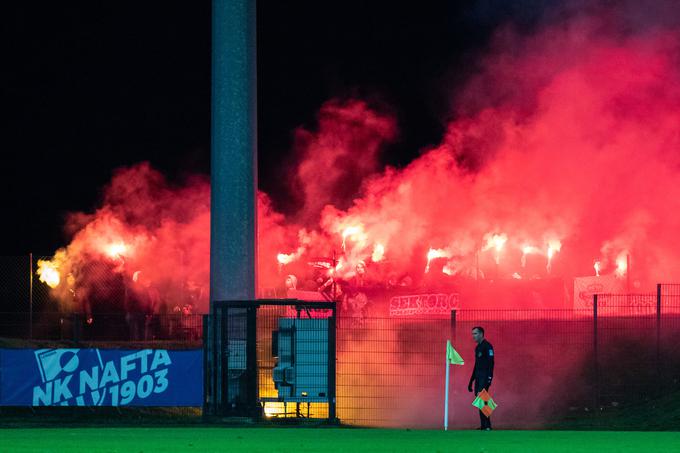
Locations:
column 270, row 358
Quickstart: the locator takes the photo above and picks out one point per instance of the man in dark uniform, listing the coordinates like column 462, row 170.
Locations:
column 483, row 371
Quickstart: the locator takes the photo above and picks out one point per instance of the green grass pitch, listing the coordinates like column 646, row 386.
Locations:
column 273, row 440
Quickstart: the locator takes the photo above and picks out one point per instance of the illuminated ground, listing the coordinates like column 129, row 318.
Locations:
column 273, row 440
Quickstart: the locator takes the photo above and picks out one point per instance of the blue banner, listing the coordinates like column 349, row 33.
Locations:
column 101, row 377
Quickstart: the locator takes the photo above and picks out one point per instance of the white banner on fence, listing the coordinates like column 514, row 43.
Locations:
column 586, row 287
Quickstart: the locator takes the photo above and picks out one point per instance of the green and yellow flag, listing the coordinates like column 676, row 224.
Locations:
column 452, row 355
column 484, row 403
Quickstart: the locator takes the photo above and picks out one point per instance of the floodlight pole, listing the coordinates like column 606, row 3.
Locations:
column 233, row 219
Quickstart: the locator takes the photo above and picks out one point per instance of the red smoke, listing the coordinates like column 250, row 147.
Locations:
column 564, row 143
column 149, row 240
column 334, row 160
column 567, row 138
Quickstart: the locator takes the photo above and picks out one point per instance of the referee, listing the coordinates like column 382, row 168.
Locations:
column 483, row 371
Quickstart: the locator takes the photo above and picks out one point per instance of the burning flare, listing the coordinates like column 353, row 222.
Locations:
column 554, row 246
column 433, row 254
column 621, row 264
column 351, row 232
column 526, row 250
column 496, row 242
column 378, row 253
column 283, row 258
column 116, row 250
column 48, row 273
column 448, row 269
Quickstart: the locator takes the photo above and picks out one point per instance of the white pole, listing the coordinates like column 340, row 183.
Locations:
column 446, row 398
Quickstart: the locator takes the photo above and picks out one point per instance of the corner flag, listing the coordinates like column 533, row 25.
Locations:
column 452, row 358
column 452, row 355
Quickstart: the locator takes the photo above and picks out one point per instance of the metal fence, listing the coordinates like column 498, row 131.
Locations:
column 28, row 310
column 271, row 358
column 20, row 288
column 550, row 364
column 391, row 371
column 181, row 329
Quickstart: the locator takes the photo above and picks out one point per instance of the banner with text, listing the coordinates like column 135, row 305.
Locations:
column 101, row 377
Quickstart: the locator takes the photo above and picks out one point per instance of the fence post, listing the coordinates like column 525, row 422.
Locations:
column 251, row 363
column 596, row 393
column 658, row 332
column 30, row 296
column 332, row 357
column 207, row 366
column 221, row 357
column 453, row 340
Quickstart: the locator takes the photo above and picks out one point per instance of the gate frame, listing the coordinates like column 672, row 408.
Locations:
column 215, row 333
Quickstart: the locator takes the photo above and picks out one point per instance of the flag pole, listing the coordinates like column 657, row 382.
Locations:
column 452, row 358
column 446, row 397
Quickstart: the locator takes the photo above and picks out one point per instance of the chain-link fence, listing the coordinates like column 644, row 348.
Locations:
column 271, row 358
column 550, row 364
column 617, row 351
column 105, row 327
column 106, row 310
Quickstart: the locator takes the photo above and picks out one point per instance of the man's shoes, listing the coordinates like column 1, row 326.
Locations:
column 487, row 429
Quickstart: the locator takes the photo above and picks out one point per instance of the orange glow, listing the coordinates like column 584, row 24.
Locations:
column 48, row 273
column 621, row 264
column 273, row 411
column 116, row 250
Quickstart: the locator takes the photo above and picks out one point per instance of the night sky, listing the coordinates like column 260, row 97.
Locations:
column 91, row 86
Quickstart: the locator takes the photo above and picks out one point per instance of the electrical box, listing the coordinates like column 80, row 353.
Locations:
column 300, row 347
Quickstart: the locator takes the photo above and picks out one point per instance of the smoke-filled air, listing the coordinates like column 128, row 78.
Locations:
column 559, row 159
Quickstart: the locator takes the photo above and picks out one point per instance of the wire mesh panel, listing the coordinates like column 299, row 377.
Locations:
column 669, row 333
column 100, row 304
column 231, row 381
column 293, row 361
column 289, row 366
column 390, row 370
column 538, row 354
column 15, row 296
column 627, row 368
column 107, row 327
